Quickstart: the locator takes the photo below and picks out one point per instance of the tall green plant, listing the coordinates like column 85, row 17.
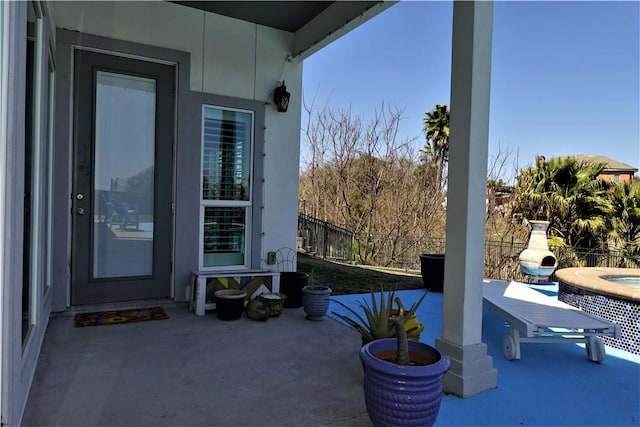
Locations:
column 376, row 320
column 567, row 193
column 436, row 128
column 623, row 224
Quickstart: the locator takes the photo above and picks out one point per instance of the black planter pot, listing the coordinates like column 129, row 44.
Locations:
column 291, row 284
column 432, row 269
column 230, row 303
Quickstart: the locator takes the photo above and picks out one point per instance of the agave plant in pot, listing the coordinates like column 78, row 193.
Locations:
column 403, row 378
column 375, row 322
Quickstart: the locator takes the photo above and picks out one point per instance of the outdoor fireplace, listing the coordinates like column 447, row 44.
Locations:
column 537, row 261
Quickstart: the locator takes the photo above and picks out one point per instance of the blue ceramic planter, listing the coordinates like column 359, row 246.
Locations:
column 315, row 301
column 402, row 395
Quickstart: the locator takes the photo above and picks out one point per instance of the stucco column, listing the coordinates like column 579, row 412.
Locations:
column 471, row 368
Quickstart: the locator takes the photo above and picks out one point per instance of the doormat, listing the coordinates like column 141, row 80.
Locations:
column 120, row 316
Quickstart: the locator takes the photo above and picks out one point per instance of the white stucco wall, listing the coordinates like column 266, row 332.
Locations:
column 282, row 158
column 228, row 57
column 155, row 23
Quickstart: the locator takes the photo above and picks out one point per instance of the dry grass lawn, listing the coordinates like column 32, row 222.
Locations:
column 349, row 279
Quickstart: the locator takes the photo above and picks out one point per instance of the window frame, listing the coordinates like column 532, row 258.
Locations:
column 247, row 205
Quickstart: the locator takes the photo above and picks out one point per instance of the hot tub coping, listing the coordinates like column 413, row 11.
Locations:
column 590, row 278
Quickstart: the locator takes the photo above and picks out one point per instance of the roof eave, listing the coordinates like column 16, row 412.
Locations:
column 333, row 22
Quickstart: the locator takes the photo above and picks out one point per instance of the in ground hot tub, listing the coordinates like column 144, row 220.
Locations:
column 628, row 281
column 611, row 293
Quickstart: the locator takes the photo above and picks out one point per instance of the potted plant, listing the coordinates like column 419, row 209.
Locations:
column 402, row 378
column 275, row 301
column 315, row 300
column 376, row 322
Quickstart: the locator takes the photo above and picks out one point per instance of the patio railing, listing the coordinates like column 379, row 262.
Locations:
column 501, row 257
column 324, row 239
column 327, row 240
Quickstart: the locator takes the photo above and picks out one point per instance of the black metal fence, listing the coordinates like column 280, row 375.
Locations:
column 324, row 239
column 500, row 257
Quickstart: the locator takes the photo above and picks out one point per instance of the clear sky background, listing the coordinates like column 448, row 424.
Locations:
column 565, row 75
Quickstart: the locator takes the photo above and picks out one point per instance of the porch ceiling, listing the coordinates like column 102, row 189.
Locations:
column 284, row 15
column 315, row 23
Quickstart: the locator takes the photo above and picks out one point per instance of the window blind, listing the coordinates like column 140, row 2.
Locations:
column 226, row 160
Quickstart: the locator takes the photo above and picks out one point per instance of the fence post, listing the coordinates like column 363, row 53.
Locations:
column 325, row 238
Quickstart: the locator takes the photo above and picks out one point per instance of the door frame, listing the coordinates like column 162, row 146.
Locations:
column 67, row 42
column 125, row 288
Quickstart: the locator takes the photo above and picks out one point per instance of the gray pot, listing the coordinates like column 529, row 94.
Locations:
column 315, row 301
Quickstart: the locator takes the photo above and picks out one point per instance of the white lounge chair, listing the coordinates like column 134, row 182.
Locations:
column 535, row 317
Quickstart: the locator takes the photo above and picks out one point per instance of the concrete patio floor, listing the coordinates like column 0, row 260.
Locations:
column 190, row 370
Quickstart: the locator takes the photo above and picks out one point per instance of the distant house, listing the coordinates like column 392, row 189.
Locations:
column 614, row 170
column 499, row 198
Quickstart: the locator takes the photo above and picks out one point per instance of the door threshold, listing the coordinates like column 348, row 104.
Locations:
column 124, row 305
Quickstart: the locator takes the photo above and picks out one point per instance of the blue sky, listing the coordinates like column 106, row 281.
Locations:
column 565, row 75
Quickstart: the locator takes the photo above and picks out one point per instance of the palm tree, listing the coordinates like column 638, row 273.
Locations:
column 624, row 222
column 567, row 193
column 436, row 128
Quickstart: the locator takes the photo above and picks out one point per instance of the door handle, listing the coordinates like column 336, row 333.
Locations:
column 80, row 211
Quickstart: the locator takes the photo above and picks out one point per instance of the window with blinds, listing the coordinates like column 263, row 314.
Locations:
column 227, row 140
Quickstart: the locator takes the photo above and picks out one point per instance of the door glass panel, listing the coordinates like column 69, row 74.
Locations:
column 123, row 187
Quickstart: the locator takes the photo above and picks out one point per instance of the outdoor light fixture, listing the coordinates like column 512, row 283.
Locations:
column 281, row 98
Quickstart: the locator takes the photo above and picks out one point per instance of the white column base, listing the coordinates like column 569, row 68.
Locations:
column 471, row 370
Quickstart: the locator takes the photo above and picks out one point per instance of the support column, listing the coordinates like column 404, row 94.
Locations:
column 471, row 367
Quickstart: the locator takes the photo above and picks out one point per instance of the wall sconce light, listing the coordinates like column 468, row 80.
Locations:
column 281, row 98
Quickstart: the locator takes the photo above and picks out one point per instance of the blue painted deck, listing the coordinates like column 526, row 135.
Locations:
column 552, row 385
